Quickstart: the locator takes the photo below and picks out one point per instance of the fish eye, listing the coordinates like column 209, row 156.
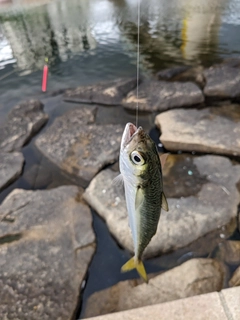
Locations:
column 137, row 158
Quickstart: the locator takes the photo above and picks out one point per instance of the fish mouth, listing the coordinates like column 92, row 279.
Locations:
column 129, row 131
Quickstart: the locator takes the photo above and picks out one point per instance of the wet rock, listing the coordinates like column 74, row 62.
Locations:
column 183, row 74
column 10, row 167
column 46, row 244
column 222, row 82
column 212, row 203
column 23, row 122
column 109, row 93
column 196, row 276
column 235, row 280
column 194, row 74
column 168, row 74
column 211, row 130
column 78, row 146
column 161, row 95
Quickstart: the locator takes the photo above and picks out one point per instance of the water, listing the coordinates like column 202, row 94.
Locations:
column 90, row 40
column 87, row 41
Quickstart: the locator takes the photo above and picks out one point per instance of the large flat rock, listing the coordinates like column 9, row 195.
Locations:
column 108, row 93
column 162, row 95
column 222, row 82
column 23, row 122
column 11, row 165
column 202, row 195
column 196, row 276
column 78, row 146
column 211, row 130
column 222, row 305
column 46, row 244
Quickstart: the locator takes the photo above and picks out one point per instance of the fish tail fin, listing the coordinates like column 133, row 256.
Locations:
column 135, row 264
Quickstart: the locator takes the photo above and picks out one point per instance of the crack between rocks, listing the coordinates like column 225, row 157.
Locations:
column 225, row 307
column 84, row 246
column 8, row 238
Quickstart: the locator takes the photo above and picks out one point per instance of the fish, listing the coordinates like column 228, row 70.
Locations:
column 141, row 175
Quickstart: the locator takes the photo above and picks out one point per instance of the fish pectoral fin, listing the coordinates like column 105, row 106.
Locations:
column 164, row 202
column 139, row 198
column 118, row 180
column 135, row 264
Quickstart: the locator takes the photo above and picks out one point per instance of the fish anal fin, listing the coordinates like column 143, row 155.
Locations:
column 164, row 202
column 139, row 198
column 135, row 264
column 163, row 158
column 118, row 180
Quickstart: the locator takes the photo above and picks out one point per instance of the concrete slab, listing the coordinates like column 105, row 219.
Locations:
column 231, row 302
column 202, row 307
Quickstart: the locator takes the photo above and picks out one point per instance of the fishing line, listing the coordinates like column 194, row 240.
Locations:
column 138, row 54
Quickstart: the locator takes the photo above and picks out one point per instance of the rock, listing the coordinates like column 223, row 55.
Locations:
column 23, row 122
column 222, row 82
column 46, row 245
column 38, row 177
column 190, row 130
column 11, row 165
column 232, row 62
column 79, row 147
column 194, row 74
column 109, row 93
column 169, row 74
column 208, row 199
column 229, row 251
column 235, row 280
column 161, row 95
column 196, row 276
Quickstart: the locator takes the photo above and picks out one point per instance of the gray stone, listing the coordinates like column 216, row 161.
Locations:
column 79, row 147
column 108, row 93
column 196, row 276
column 202, row 196
column 161, row 95
column 235, row 280
column 23, row 122
column 222, row 82
column 10, row 167
column 46, row 245
column 211, row 130
column 170, row 73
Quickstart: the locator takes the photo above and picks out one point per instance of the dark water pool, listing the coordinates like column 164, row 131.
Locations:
column 87, row 41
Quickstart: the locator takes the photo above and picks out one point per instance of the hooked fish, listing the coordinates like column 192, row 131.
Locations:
column 141, row 174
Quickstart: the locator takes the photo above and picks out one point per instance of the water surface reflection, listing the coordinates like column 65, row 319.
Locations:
column 178, row 30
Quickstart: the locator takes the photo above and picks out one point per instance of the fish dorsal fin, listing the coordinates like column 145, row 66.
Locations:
column 139, row 198
column 163, row 158
column 118, row 180
column 164, row 202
